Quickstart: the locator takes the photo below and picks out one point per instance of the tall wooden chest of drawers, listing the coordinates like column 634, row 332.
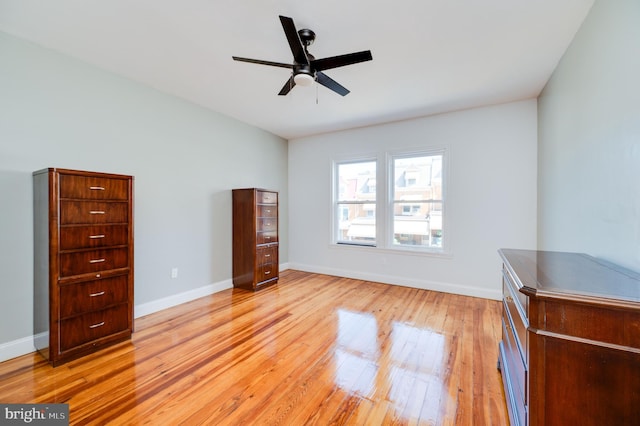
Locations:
column 83, row 262
column 570, row 350
column 255, row 238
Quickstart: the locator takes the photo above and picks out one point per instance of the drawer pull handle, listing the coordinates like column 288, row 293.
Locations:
column 97, row 260
column 96, row 294
column 267, row 272
column 268, row 211
column 96, row 188
column 267, row 255
column 96, row 212
column 100, row 324
column 93, row 237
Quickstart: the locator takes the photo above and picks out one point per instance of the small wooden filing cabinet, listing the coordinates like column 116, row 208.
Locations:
column 255, row 238
column 570, row 350
column 83, row 262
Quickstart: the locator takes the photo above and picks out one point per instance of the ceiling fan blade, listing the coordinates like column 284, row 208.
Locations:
column 341, row 60
column 293, row 38
column 261, row 62
column 287, row 86
column 330, row 83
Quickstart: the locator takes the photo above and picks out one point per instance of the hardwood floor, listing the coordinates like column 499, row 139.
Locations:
column 314, row 349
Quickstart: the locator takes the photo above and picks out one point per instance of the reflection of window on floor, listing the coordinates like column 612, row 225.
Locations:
column 409, row 372
column 417, row 357
column 357, row 352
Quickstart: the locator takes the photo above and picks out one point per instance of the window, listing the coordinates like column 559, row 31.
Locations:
column 409, row 199
column 408, row 210
column 416, row 200
column 356, row 202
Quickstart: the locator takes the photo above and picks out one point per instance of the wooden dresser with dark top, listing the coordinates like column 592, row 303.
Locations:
column 255, row 238
column 83, row 262
column 570, row 350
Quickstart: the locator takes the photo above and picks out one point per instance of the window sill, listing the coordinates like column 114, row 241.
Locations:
column 393, row 250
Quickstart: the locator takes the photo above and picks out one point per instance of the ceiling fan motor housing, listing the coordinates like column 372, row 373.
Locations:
column 302, row 73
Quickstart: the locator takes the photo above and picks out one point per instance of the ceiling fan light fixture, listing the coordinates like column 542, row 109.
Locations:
column 303, row 79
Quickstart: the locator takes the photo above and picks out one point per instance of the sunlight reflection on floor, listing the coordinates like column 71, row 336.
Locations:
column 408, row 373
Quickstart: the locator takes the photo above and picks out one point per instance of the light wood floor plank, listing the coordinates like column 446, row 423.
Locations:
column 313, row 349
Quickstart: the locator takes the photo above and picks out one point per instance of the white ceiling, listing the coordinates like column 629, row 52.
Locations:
column 429, row 56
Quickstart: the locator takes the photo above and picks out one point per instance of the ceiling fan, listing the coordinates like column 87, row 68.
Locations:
column 306, row 68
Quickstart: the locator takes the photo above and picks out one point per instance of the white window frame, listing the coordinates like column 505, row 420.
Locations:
column 384, row 202
column 390, row 201
column 336, row 212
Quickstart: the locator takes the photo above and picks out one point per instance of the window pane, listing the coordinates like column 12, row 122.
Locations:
column 356, row 204
column 417, row 178
column 417, row 201
column 419, row 230
column 357, row 224
column 357, row 181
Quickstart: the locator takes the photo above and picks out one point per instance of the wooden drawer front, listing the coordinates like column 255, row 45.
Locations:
column 267, row 210
column 78, row 237
column 93, row 188
column 82, row 262
column 267, row 224
column 267, row 263
column 510, row 339
column 267, row 272
column 516, row 370
column 267, row 237
column 89, row 212
column 516, row 311
column 267, row 255
column 92, row 326
column 265, row 197
column 93, row 295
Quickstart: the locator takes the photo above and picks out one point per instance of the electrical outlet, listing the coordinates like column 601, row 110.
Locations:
column 174, row 272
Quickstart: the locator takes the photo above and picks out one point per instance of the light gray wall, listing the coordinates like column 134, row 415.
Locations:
column 58, row 112
column 589, row 140
column 490, row 199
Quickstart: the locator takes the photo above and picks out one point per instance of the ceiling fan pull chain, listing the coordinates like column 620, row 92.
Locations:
column 315, row 78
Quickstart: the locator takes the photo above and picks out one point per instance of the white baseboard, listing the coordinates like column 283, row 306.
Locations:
column 187, row 296
column 180, row 298
column 406, row 282
column 16, row 348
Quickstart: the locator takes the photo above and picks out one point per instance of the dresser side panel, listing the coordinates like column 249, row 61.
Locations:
column 244, row 237
column 41, row 288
